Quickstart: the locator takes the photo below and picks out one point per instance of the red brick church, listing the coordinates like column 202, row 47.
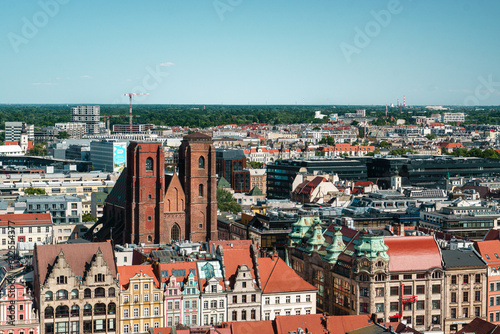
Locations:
column 148, row 205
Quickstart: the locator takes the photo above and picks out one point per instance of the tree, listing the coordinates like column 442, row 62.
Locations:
column 354, row 123
column 226, row 202
column 63, row 135
column 34, row 191
column 328, row 140
column 38, row 149
column 383, row 144
column 431, row 136
column 319, row 153
column 254, row 164
column 87, row 218
column 401, row 151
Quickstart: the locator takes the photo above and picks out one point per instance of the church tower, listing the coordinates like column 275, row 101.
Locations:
column 199, row 180
column 145, row 192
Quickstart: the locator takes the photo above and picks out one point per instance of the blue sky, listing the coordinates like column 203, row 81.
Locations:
column 250, row 51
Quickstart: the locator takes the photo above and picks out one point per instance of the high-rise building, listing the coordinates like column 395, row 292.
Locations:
column 108, row 155
column 89, row 115
column 13, row 131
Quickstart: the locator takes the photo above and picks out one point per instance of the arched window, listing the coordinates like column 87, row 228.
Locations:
column 111, row 308
column 100, row 309
column 61, row 294
column 49, row 312
column 149, row 164
column 111, row 292
column 48, row 295
column 75, row 311
column 201, row 163
column 100, row 292
column 200, row 190
column 62, row 311
column 74, row 294
column 175, row 233
column 87, row 293
column 87, row 309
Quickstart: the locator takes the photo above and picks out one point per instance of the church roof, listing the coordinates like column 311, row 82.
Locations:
column 117, row 196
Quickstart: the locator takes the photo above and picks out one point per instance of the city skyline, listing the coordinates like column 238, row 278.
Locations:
column 237, row 52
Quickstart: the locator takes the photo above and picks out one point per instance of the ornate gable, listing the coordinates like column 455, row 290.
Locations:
column 97, row 271
column 58, row 270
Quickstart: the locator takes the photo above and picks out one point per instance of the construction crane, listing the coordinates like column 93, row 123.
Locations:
column 130, row 108
column 107, row 117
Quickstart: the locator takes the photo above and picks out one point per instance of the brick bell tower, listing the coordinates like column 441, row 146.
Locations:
column 145, row 192
column 199, row 180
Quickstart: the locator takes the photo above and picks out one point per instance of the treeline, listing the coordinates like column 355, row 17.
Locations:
column 199, row 116
column 476, row 153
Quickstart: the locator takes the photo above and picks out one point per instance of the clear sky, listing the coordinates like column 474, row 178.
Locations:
column 250, row 51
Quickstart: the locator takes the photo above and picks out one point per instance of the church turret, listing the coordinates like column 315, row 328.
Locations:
column 336, row 247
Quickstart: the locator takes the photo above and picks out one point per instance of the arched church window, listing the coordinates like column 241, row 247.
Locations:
column 175, row 233
column 149, row 164
column 201, row 163
column 200, row 190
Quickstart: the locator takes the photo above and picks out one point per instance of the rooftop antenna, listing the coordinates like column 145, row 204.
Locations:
column 130, row 107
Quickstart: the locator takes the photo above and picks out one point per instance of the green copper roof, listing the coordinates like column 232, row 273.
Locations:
column 336, row 247
column 317, row 238
column 223, row 183
column 371, row 247
column 255, row 191
column 302, row 226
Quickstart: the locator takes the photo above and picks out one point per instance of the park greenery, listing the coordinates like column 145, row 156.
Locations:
column 87, row 218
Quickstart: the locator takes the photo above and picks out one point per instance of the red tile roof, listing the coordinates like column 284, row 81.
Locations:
column 412, row 253
column 277, row 276
column 127, row 272
column 488, row 249
column 289, row 323
column 228, row 244
column 78, row 256
column 26, row 219
column 261, row 327
column 480, row 326
column 171, row 266
column 234, row 258
column 346, row 323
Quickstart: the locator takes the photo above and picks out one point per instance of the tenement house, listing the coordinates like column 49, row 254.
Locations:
column 76, row 288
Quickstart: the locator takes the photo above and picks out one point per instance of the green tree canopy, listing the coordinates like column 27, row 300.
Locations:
column 34, row 191
column 226, row 202
column 87, row 217
column 63, row 135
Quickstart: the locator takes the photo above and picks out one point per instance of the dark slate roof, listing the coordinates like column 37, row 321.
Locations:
column 480, row 326
column 462, row 258
column 117, row 196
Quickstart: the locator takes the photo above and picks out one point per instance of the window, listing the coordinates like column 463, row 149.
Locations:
column 146, row 286
column 394, row 306
column 453, row 297
column 420, row 276
column 136, row 328
column 156, row 310
column 407, row 290
column 221, row 303
column 478, row 278
column 379, row 307
column 466, row 279
column 213, row 304
column 146, row 327
column 244, row 284
column 477, row 312
column 465, row 296
column 157, row 297
column 394, row 290
column 492, row 286
column 277, row 300
column 492, row 301
column 244, row 315
column 176, row 305
column 297, row 298
column 205, row 305
column 436, row 304
column 235, row 316
column 136, row 286
column 125, row 298
column 252, row 314
column 267, row 316
column 453, row 279
column 420, row 289
column 235, row 299
column 146, row 311
column 254, row 298
column 453, row 313
column 136, row 312
column 267, row 300
column 465, row 312
column 170, row 305
column 186, row 304
column 420, row 305
column 200, row 190
column 407, row 276
column 244, row 299
column 477, row 296
column 436, row 288
column 62, row 280
column 201, row 163
column 125, row 329
column 149, row 164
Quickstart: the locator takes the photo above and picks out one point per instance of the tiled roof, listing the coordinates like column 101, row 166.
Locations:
column 178, row 268
column 127, row 272
column 346, row 323
column 26, row 219
column 290, row 323
column 490, row 251
column 277, row 276
column 480, row 326
column 412, row 253
column 78, row 256
column 234, row 258
column 261, row 327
